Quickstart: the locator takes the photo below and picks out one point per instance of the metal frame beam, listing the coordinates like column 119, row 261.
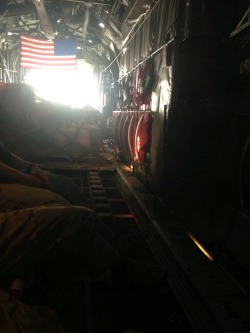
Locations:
column 243, row 24
column 44, row 19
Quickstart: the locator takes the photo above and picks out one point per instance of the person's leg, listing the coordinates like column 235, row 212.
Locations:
column 16, row 196
column 68, row 189
column 62, row 238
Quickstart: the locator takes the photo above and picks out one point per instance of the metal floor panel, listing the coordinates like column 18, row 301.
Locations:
column 214, row 296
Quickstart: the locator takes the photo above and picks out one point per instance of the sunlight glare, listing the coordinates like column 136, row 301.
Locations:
column 76, row 88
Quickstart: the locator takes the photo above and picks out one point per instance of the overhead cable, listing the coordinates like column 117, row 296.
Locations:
column 131, row 37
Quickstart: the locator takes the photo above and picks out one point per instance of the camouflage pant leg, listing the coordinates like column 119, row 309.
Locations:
column 68, row 189
column 17, row 196
column 61, row 236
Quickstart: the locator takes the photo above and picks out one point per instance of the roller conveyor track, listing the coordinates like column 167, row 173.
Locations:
column 131, row 305
column 115, row 205
column 109, row 203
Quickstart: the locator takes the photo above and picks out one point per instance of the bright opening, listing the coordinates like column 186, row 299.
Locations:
column 76, row 88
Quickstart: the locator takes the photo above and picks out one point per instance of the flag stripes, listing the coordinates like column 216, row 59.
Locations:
column 37, row 53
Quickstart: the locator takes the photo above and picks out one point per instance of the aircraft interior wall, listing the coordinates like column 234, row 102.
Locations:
column 205, row 150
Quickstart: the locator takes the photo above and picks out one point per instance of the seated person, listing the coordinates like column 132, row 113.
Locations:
column 45, row 225
column 44, row 216
column 15, row 170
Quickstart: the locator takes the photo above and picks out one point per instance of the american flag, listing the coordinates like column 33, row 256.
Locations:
column 37, row 53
